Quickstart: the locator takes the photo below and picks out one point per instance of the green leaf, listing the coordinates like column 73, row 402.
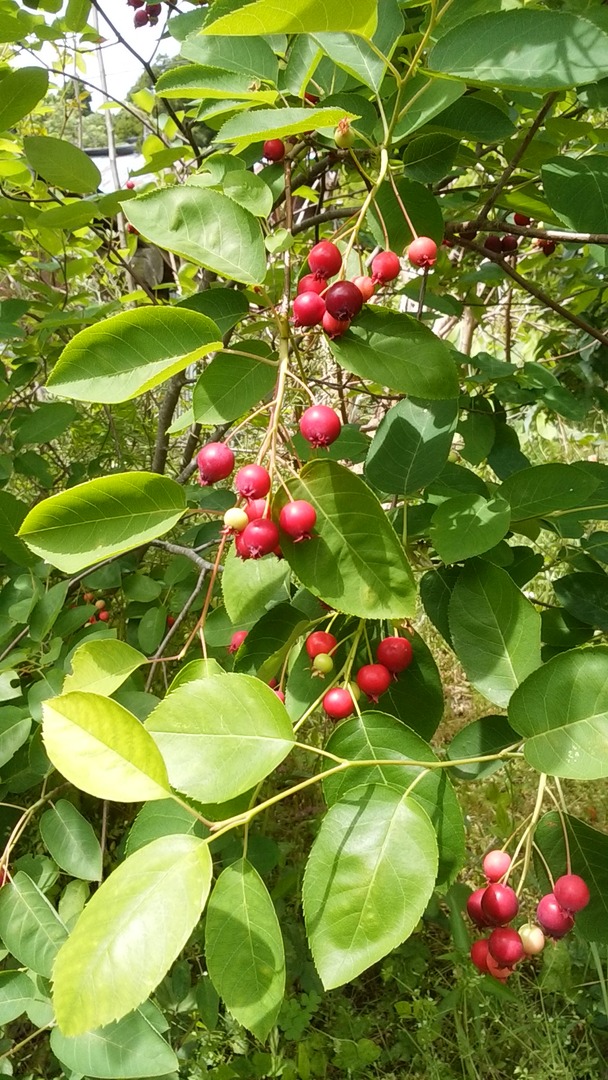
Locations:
column 354, row 561
column 244, row 948
column 495, row 630
column 102, row 748
column 221, row 736
column 208, row 83
column 534, row 50
column 399, row 352
column 14, row 731
column 474, row 119
column 76, row 15
column 251, row 56
column 100, row 667
column 163, row 818
column 468, row 525
column 112, row 960
column 424, row 212
column 226, row 307
column 12, row 513
column 562, row 712
column 268, row 643
column 230, row 386
column 585, row 596
column 29, row 926
column 589, row 858
column 127, row 1050
column 423, row 99
column 16, row 993
column 258, row 124
column 411, row 445
column 20, row 92
column 429, row 158
column 204, row 226
column 577, row 190
column 102, row 517
column 376, row 736
column 436, row 587
column 545, row 489
column 355, row 56
column 251, row 586
column 416, row 697
column 298, row 17
column 70, row 840
column 45, row 423
column 132, row 352
column 488, row 735
column 61, row 164
column 47, row 610
column 368, row 879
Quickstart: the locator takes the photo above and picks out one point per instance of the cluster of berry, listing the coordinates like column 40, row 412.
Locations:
column 496, row 904
column 145, row 14
column 102, row 614
column 508, row 243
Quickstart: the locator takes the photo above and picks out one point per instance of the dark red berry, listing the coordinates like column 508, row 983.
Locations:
column 274, row 150
column 237, row 640
column 140, row 18
column 252, row 481
column 320, row 642
column 571, row 893
column 395, row 653
column 386, row 266
column 308, row 309
column 509, row 243
column 324, row 259
column 334, row 327
column 467, row 234
column 297, row 518
column 135, row 3
column 474, row 911
column 215, row 462
column 493, row 243
column 496, row 864
column 320, row 425
column 255, row 508
column 365, row 286
column 552, row 918
column 343, row 300
column 170, row 620
column 548, row 247
column 506, row 946
column 260, row 537
column 154, row 10
column 373, row 680
column 499, row 904
column 311, row 283
column 521, row 219
column 422, row 252
column 338, row 703
column 479, row 955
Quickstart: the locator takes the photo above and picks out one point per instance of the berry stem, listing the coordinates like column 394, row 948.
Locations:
column 528, row 835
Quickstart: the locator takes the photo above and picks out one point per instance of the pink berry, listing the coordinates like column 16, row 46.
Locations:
column 320, row 425
column 215, row 462
column 571, row 893
column 495, row 970
column 252, row 481
column 499, row 904
column 320, row 642
column 386, row 266
column 237, row 640
column 334, row 327
column 373, row 680
column 338, row 703
column 260, row 538
column 255, row 508
column 279, row 693
column 308, row 309
column 130, row 184
column 324, row 259
column 343, row 300
column 496, row 864
column 274, row 150
column 104, row 616
column 479, row 955
column 297, row 518
column 521, row 219
column 422, row 251
column 506, row 946
column 310, row 283
column 365, row 286
column 474, row 911
column 395, row 653
column 553, row 919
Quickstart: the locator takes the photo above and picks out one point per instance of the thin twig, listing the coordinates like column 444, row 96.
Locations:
column 517, row 156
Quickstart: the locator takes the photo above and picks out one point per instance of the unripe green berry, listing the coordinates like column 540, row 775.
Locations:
column 344, row 136
column 355, row 690
column 323, row 663
column 236, row 519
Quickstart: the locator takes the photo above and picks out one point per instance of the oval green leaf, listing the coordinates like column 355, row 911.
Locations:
column 29, row 926
column 126, row 1050
column 297, row 17
column 70, row 840
column 411, row 445
column 62, row 164
column 229, row 386
column 542, row 490
column 100, row 667
column 468, row 525
column 20, row 92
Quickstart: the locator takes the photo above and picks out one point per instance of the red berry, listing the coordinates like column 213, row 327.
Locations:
column 506, row 946
column 215, row 462
column 571, row 893
column 237, row 640
column 320, row 642
column 324, row 259
column 343, row 300
column 308, row 309
column 509, row 243
column 521, row 219
column 310, row 283
column 479, row 955
column 135, row 3
column 297, row 518
column 338, row 703
column 104, row 616
column 395, row 653
column 422, row 251
column 312, row 98
column 496, row 971
column 334, row 327
column 320, row 425
column 496, row 864
column 499, row 904
column 373, row 680
column 131, row 229
column 474, row 911
column 170, row 620
column 241, row 549
column 493, row 243
column 140, row 18
column 252, row 481
column 279, row 693
column 154, row 10
column 130, row 184
column 547, row 247
column 274, row 150
column 387, row 266
column 255, row 508
column 365, row 286
column 260, row 538
column 553, row 919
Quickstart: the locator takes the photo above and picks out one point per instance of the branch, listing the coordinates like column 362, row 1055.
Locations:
column 176, row 625
column 165, row 416
column 327, row 215
column 188, row 553
column 517, row 156
column 564, row 236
